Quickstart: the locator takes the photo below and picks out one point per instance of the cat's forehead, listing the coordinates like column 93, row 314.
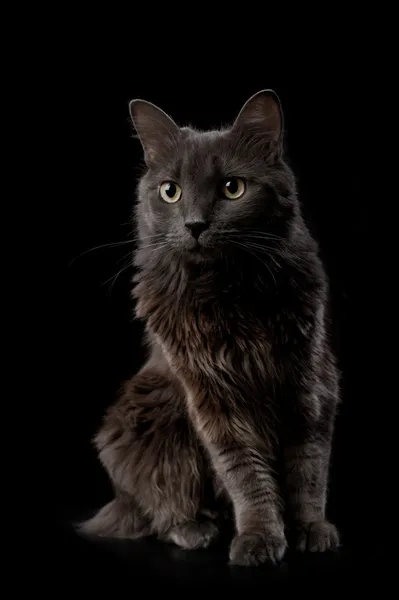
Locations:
column 206, row 155
column 203, row 151
column 200, row 144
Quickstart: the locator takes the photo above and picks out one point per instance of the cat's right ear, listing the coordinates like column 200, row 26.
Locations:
column 157, row 132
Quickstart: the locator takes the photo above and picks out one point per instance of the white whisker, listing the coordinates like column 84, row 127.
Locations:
column 114, row 245
column 115, row 277
column 256, row 256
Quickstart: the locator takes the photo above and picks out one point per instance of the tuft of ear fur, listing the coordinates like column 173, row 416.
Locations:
column 261, row 115
column 157, row 132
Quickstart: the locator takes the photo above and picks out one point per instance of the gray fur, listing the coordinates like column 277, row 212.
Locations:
column 236, row 404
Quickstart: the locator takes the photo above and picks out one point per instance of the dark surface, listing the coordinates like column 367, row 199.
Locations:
column 329, row 146
column 152, row 563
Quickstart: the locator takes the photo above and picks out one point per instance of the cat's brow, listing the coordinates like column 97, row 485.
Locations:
column 172, row 171
column 216, row 162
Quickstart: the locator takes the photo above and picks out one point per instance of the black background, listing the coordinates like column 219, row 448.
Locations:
column 331, row 147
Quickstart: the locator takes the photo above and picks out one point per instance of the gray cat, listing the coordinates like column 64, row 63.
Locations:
column 234, row 408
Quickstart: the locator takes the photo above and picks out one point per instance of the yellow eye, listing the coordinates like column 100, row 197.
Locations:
column 170, row 192
column 233, row 188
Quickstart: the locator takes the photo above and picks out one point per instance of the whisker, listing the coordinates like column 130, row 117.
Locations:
column 256, row 256
column 115, row 277
column 263, row 234
column 259, row 246
column 155, row 245
column 248, row 241
column 257, row 236
column 112, row 245
column 147, row 237
column 270, row 251
column 259, row 232
column 124, row 257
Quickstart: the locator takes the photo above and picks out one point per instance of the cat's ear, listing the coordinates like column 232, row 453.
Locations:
column 262, row 115
column 157, row 132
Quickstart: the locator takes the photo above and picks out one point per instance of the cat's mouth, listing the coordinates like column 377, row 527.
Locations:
column 200, row 250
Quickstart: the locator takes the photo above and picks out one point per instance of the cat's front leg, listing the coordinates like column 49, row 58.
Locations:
column 243, row 463
column 306, row 460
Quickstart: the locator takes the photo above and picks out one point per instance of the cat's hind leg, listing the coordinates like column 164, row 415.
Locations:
column 156, row 464
column 120, row 518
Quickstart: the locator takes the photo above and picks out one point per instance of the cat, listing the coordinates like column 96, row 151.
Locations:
column 235, row 406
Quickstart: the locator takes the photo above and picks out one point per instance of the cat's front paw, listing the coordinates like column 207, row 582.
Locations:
column 251, row 549
column 319, row 536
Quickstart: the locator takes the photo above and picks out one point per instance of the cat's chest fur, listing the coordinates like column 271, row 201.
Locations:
column 215, row 332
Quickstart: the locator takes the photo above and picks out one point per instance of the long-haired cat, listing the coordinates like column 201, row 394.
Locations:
column 237, row 400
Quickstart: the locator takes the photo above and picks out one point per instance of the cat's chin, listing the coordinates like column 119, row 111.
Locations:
column 197, row 258
column 200, row 254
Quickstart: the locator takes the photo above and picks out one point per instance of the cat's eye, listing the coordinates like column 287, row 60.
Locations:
column 170, row 192
column 233, row 188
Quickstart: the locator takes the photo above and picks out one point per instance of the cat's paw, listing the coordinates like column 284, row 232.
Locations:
column 193, row 535
column 319, row 536
column 251, row 549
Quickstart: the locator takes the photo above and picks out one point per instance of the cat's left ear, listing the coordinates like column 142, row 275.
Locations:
column 262, row 115
column 157, row 132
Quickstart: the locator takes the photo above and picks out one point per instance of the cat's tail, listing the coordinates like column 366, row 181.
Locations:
column 117, row 519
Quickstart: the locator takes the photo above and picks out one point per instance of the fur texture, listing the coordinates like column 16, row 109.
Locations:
column 236, row 403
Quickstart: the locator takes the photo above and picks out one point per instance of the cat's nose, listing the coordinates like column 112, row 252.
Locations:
column 196, row 227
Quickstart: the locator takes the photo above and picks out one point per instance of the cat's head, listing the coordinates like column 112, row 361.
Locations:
column 206, row 194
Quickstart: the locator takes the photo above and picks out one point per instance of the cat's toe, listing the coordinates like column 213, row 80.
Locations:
column 251, row 549
column 319, row 536
column 194, row 535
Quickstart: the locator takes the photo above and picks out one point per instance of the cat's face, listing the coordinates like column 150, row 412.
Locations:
column 206, row 194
